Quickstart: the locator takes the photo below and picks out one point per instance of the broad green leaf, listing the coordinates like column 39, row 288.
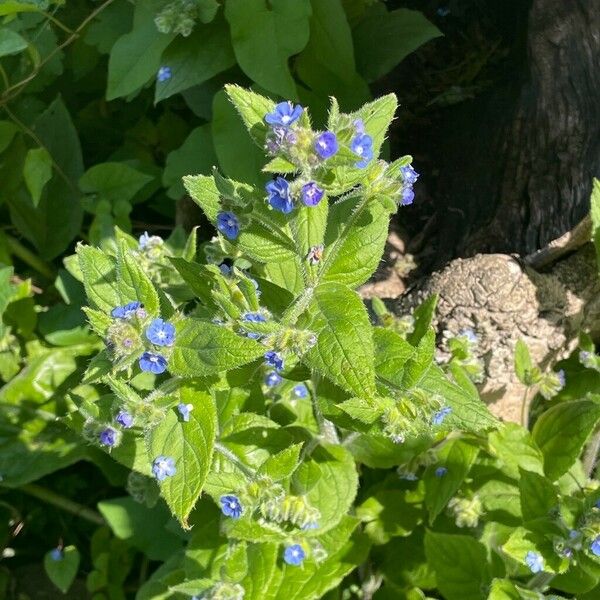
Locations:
column 37, row 172
column 113, row 181
column 238, row 156
column 421, row 361
column 457, row 456
column 538, row 496
column 562, row 431
column 392, row 352
column 265, row 35
column 191, row 446
column 523, row 363
column 423, row 315
column 377, row 117
column 252, row 108
column 595, row 215
column 56, row 220
column 134, row 284
column 135, row 57
column 196, row 58
column 203, row 348
column 514, row 447
column 62, row 572
column 460, row 564
column 11, row 42
column 99, row 278
column 195, row 155
column 142, row 527
column 308, row 230
column 522, row 541
column 7, row 132
column 398, row 33
column 344, row 348
column 285, row 274
column 354, row 241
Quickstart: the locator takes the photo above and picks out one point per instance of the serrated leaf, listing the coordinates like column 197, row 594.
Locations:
column 308, row 230
column 457, row 456
column 37, row 172
column 281, row 465
column 99, row 278
column 62, row 572
column 134, row 284
column 423, row 316
column 354, row 242
column 562, row 431
column 203, row 348
column 467, row 574
column 514, row 447
column 344, row 348
column 191, row 446
column 538, row 496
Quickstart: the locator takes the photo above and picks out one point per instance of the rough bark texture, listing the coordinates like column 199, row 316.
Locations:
column 529, row 149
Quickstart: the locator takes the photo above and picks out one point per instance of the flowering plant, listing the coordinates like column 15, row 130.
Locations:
column 296, row 444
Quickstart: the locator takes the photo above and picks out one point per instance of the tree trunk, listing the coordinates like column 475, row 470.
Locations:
column 517, row 163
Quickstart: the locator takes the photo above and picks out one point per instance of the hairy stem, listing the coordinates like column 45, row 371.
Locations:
column 525, row 408
column 66, row 504
column 230, row 456
column 28, row 257
column 540, row 581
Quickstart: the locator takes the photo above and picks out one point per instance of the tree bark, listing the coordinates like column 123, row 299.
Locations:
column 517, row 163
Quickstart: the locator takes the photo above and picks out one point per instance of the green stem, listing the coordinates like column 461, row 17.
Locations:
column 326, row 428
column 50, row 497
column 540, row 581
column 28, row 257
column 291, row 316
column 525, row 409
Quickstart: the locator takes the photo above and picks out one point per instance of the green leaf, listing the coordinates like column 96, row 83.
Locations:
column 538, row 496
column 457, row 456
column 377, row 117
column 252, row 108
column 265, row 35
column 11, row 42
column 281, row 465
column 37, row 172
column 239, row 157
column 595, row 215
column 522, row 541
column 514, row 448
column 142, row 527
column 460, row 564
column 191, row 446
column 62, row 572
column 113, row 181
column 504, row 589
column 562, row 431
column 135, row 57
column 344, row 348
column 195, row 155
column 398, row 33
column 196, row 58
column 99, row 278
column 355, row 239
column 7, row 132
column 523, row 363
column 134, row 284
column 423, row 315
column 203, row 348
column 308, row 230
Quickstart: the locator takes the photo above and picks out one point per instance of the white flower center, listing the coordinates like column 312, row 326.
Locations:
column 286, row 119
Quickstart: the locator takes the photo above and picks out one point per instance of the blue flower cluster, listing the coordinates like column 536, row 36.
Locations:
column 274, row 359
column 128, row 311
column 159, row 333
column 409, row 178
column 280, row 197
column 362, row 145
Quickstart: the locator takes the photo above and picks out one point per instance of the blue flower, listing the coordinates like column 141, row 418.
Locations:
column 143, row 240
column 359, row 126
column 153, row 363
column 362, row 145
column 441, row 471
column 469, row 334
column 228, row 224
column 274, row 359
column 595, row 546
column 311, row 194
column 408, row 195
column 294, row 555
column 125, row 312
column 164, row 73
column 310, row 525
column 284, row 114
column 108, row 437
column 440, row 415
column 534, row 561
column 561, row 378
column 231, row 506
column 163, row 467
column 272, row 379
column 409, row 175
column 56, row 554
column 253, row 317
column 326, row 144
column 161, row 333
column 124, row 419
column 300, row 391
column 278, row 195
column 184, row 410
column 225, row 269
